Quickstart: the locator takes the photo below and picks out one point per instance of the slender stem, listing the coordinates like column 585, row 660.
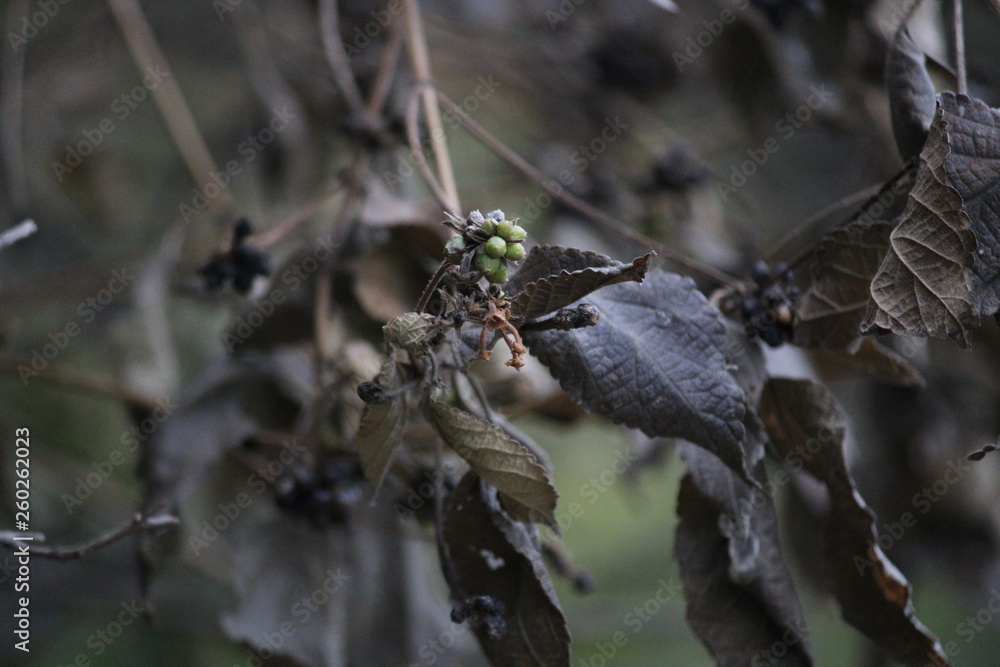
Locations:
column 413, row 137
column 296, row 218
column 386, row 71
column 431, row 286
column 959, row 26
column 142, row 521
column 61, row 376
column 336, row 56
column 176, row 113
column 608, row 222
column 422, row 70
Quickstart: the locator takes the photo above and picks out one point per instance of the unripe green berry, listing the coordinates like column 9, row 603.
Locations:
column 515, row 252
column 499, row 276
column 504, row 228
column 517, row 233
column 489, row 226
column 485, row 263
column 495, row 247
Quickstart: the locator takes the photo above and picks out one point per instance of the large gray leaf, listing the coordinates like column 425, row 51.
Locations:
column 807, row 428
column 495, row 556
column 973, row 169
column 657, row 360
column 924, row 286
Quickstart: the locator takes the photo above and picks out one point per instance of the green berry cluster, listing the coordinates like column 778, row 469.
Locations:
column 492, row 241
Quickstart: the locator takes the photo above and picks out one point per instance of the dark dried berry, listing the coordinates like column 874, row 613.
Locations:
column 369, row 392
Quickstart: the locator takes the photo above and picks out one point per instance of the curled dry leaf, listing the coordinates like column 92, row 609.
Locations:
column 382, row 425
column 500, row 460
column 497, row 557
column 924, row 286
column 657, row 361
column 542, row 296
column 834, row 304
column 740, row 598
column 807, row 428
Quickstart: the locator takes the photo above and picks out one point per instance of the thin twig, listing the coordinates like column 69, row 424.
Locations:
column 293, row 220
column 417, row 151
column 142, row 521
column 61, row 376
column 431, row 286
column 959, row 26
column 20, row 231
column 422, row 70
column 607, row 222
column 180, row 122
column 386, row 72
column 447, row 567
column 336, row 56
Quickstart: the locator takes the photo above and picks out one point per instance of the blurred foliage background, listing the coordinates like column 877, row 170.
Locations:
column 696, row 92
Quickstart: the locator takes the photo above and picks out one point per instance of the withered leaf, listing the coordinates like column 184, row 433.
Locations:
column 495, row 556
column 807, row 428
column 545, row 261
column 499, row 459
column 744, row 612
column 382, row 425
column 911, row 94
column 657, row 360
column 924, row 286
column 409, row 332
column 546, row 295
column 832, row 307
column 973, row 169
column 874, row 358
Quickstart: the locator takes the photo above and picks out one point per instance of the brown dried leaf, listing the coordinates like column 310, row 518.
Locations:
column 924, row 287
column 493, row 555
column 549, row 294
column 740, row 598
column 831, row 309
column 972, row 168
column 499, row 459
column 382, row 425
column 807, row 428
